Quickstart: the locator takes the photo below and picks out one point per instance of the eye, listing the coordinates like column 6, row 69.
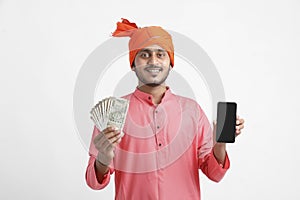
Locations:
column 161, row 54
column 144, row 55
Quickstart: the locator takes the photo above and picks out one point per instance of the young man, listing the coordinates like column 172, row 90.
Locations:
column 166, row 138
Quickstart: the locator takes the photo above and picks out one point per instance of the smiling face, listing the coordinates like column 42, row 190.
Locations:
column 152, row 66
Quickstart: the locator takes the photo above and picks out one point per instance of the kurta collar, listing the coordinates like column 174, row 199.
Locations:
column 148, row 97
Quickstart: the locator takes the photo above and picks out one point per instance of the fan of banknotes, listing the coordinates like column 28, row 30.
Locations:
column 110, row 111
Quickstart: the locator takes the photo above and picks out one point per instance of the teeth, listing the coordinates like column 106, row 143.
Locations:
column 153, row 70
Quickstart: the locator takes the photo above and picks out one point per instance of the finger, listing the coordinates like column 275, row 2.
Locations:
column 104, row 141
column 108, row 129
column 108, row 133
column 107, row 146
column 117, row 142
column 109, row 143
column 241, row 126
column 98, row 138
column 122, row 133
column 102, row 144
column 112, row 134
column 242, row 121
column 102, row 134
column 113, row 143
column 239, row 121
column 114, row 139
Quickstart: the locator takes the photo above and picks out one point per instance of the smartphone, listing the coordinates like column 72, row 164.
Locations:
column 226, row 122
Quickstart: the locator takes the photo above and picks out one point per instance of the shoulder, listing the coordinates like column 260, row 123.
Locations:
column 186, row 101
column 189, row 104
column 127, row 96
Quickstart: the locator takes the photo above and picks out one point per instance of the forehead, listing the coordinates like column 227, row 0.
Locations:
column 153, row 47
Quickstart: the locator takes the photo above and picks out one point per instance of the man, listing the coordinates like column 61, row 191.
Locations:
column 166, row 138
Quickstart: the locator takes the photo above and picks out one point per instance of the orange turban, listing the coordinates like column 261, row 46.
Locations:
column 143, row 37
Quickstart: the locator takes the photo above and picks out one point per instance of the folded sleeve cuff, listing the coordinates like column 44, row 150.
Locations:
column 91, row 177
column 212, row 169
column 226, row 162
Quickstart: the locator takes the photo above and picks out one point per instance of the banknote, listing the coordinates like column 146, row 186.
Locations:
column 117, row 112
column 111, row 111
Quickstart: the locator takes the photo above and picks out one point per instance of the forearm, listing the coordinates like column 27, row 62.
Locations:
column 220, row 152
column 100, row 170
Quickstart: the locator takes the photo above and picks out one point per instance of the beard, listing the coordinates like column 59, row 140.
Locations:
column 152, row 84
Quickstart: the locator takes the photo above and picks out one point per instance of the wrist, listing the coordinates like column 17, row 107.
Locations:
column 101, row 171
column 102, row 159
column 101, row 167
column 219, row 152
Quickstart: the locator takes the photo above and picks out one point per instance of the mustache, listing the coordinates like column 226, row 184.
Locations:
column 153, row 67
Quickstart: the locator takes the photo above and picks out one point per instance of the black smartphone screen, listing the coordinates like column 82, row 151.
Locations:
column 226, row 122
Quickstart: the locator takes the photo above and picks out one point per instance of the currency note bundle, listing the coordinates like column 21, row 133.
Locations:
column 110, row 111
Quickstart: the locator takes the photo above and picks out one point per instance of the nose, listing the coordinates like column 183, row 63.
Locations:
column 153, row 60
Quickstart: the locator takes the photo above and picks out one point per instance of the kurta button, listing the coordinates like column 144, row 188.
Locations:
column 156, row 111
column 159, row 144
column 149, row 98
column 157, row 126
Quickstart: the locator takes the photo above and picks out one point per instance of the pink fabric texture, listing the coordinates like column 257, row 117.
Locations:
column 163, row 148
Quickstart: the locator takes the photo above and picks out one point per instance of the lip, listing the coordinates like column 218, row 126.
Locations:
column 153, row 70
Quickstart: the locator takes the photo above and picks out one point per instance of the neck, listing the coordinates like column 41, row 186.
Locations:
column 157, row 92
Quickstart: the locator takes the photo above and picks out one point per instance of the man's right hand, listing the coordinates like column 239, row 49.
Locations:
column 106, row 142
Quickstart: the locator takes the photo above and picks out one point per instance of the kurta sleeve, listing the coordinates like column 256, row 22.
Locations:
column 90, row 175
column 206, row 159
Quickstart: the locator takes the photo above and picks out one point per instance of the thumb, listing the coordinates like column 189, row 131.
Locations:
column 214, row 123
column 214, row 131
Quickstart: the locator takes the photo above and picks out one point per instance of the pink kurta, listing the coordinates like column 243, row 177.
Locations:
column 163, row 148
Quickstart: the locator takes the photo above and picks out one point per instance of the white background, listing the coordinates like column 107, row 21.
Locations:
column 43, row 44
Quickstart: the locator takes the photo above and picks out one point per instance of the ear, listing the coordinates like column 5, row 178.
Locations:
column 133, row 67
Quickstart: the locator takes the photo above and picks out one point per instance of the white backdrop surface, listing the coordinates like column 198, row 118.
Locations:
column 254, row 45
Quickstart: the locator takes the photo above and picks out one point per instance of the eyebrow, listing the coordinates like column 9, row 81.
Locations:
column 149, row 50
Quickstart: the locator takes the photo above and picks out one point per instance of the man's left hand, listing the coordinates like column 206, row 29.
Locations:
column 220, row 148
